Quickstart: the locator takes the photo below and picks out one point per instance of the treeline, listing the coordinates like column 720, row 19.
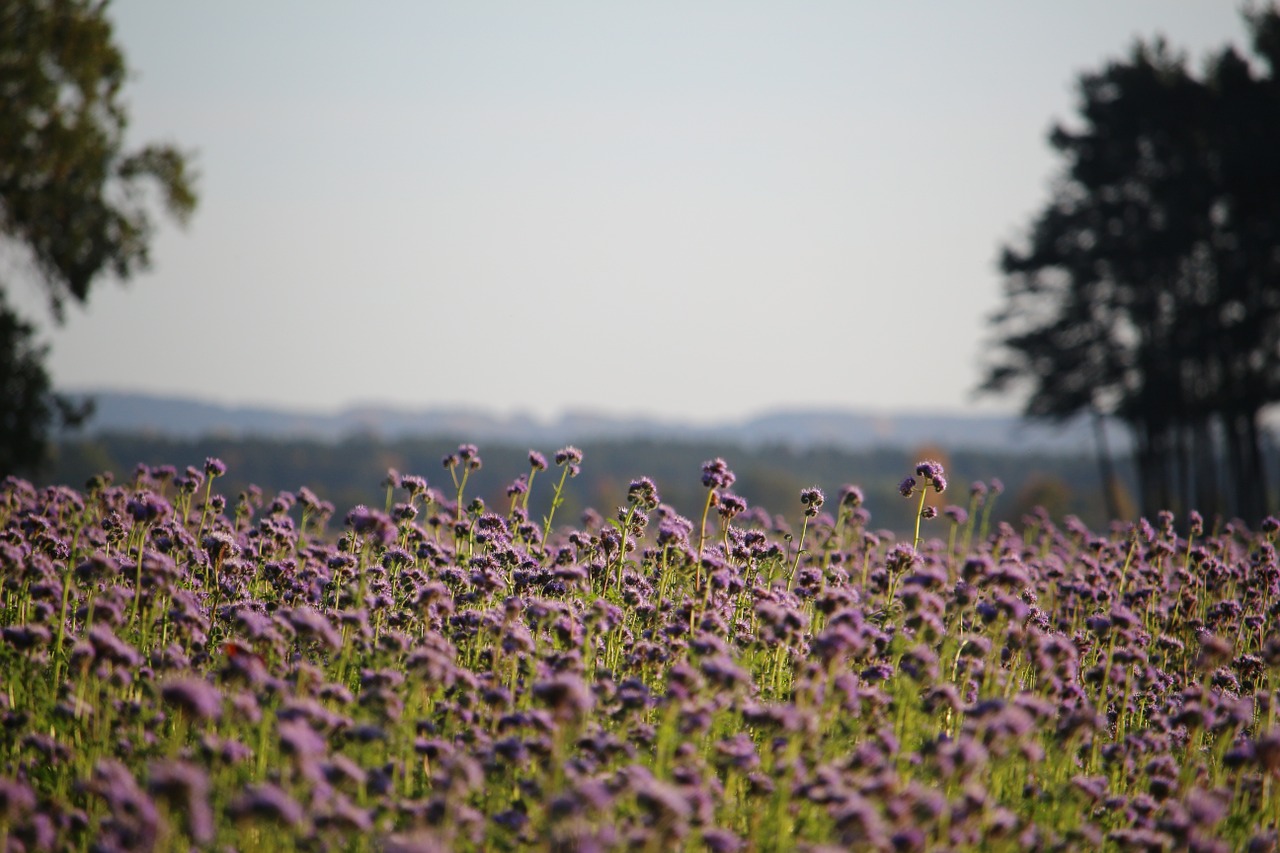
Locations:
column 353, row 471
column 1148, row 287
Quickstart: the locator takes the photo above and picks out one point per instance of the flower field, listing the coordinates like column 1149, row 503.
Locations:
column 185, row 669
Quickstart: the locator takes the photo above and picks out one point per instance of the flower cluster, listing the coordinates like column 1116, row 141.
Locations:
column 931, row 473
column 178, row 671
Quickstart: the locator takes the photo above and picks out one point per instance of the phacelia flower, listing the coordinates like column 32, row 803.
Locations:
column 643, row 493
column 566, row 696
column 186, row 787
column 716, row 474
column 470, row 456
column 194, row 696
column 568, row 454
column 931, row 472
column 813, row 499
column 268, row 801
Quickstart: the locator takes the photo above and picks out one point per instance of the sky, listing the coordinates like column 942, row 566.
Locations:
column 687, row 210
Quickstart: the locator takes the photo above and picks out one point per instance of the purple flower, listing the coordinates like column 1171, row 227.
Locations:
column 664, row 802
column 928, row 469
column 568, row 699
column 643, row 493
column 413, row 484
column 214, row 467
column 900, row 558
column 719, row 840
column 859, row 823
column 107, row 646
column 147, row 508
column 310, row 622
column 470, row 456
column 267, row 801
column 24, row 637
column 931, row 472
column 134, row 820
column 570, row 454
column 16, row 800
column 219, row 545
column 195, row 697
column 812, row 498
column 378, row 526
column 907, row 487
column 537, row 461
column 186, row 787
column 716, row 474
column 300, row 740
column 1214, row 651
column 731, row 506
column 721, row 671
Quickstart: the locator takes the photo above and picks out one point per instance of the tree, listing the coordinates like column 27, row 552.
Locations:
column 1149, row 287
column 74, row 201
column 29, row 406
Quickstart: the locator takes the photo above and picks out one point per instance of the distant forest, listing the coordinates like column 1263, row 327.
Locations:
column 353, row 471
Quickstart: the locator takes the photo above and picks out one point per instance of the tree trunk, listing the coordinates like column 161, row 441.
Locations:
column 1105, row 469
column 1235, row 464
column 1208, row 482
column 1257, row 492
column 1182, row 454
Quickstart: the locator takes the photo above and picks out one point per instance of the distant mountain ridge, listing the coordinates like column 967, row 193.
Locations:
column 179, row 417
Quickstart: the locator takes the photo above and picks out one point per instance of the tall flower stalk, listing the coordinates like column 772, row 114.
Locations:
column 715, row 475
column 569, row 460
column 932, row 474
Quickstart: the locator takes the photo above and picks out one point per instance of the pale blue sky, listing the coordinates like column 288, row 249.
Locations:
column 694, row 210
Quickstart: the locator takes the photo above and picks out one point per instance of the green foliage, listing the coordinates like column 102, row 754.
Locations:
column 73, row 200
column 26, row 392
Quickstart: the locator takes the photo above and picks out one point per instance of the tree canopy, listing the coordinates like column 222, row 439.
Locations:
column 75, row 202
column 1148, row 287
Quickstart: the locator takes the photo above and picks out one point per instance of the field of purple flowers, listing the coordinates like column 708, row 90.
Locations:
column 181, row 669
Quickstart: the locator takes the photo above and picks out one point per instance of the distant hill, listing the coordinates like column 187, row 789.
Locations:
column 178, row 417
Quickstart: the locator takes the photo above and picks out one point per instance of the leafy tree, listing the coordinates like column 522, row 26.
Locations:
column 29, row 405
column 1149, row 287
column 74, row 201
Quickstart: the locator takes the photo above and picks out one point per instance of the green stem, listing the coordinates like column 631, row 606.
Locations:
column 137, row 588
column 556, row 500
column 795, row 567
column 533, row 470
column 702, row 538
column 204, row 510
column 622, row 546
column 924, row 493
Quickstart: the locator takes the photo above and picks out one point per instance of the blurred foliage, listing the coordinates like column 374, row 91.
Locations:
column 351, row 472
column 74, row 202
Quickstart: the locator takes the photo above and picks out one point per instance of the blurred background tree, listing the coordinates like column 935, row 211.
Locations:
column 73, row 200
column 1148, row 288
